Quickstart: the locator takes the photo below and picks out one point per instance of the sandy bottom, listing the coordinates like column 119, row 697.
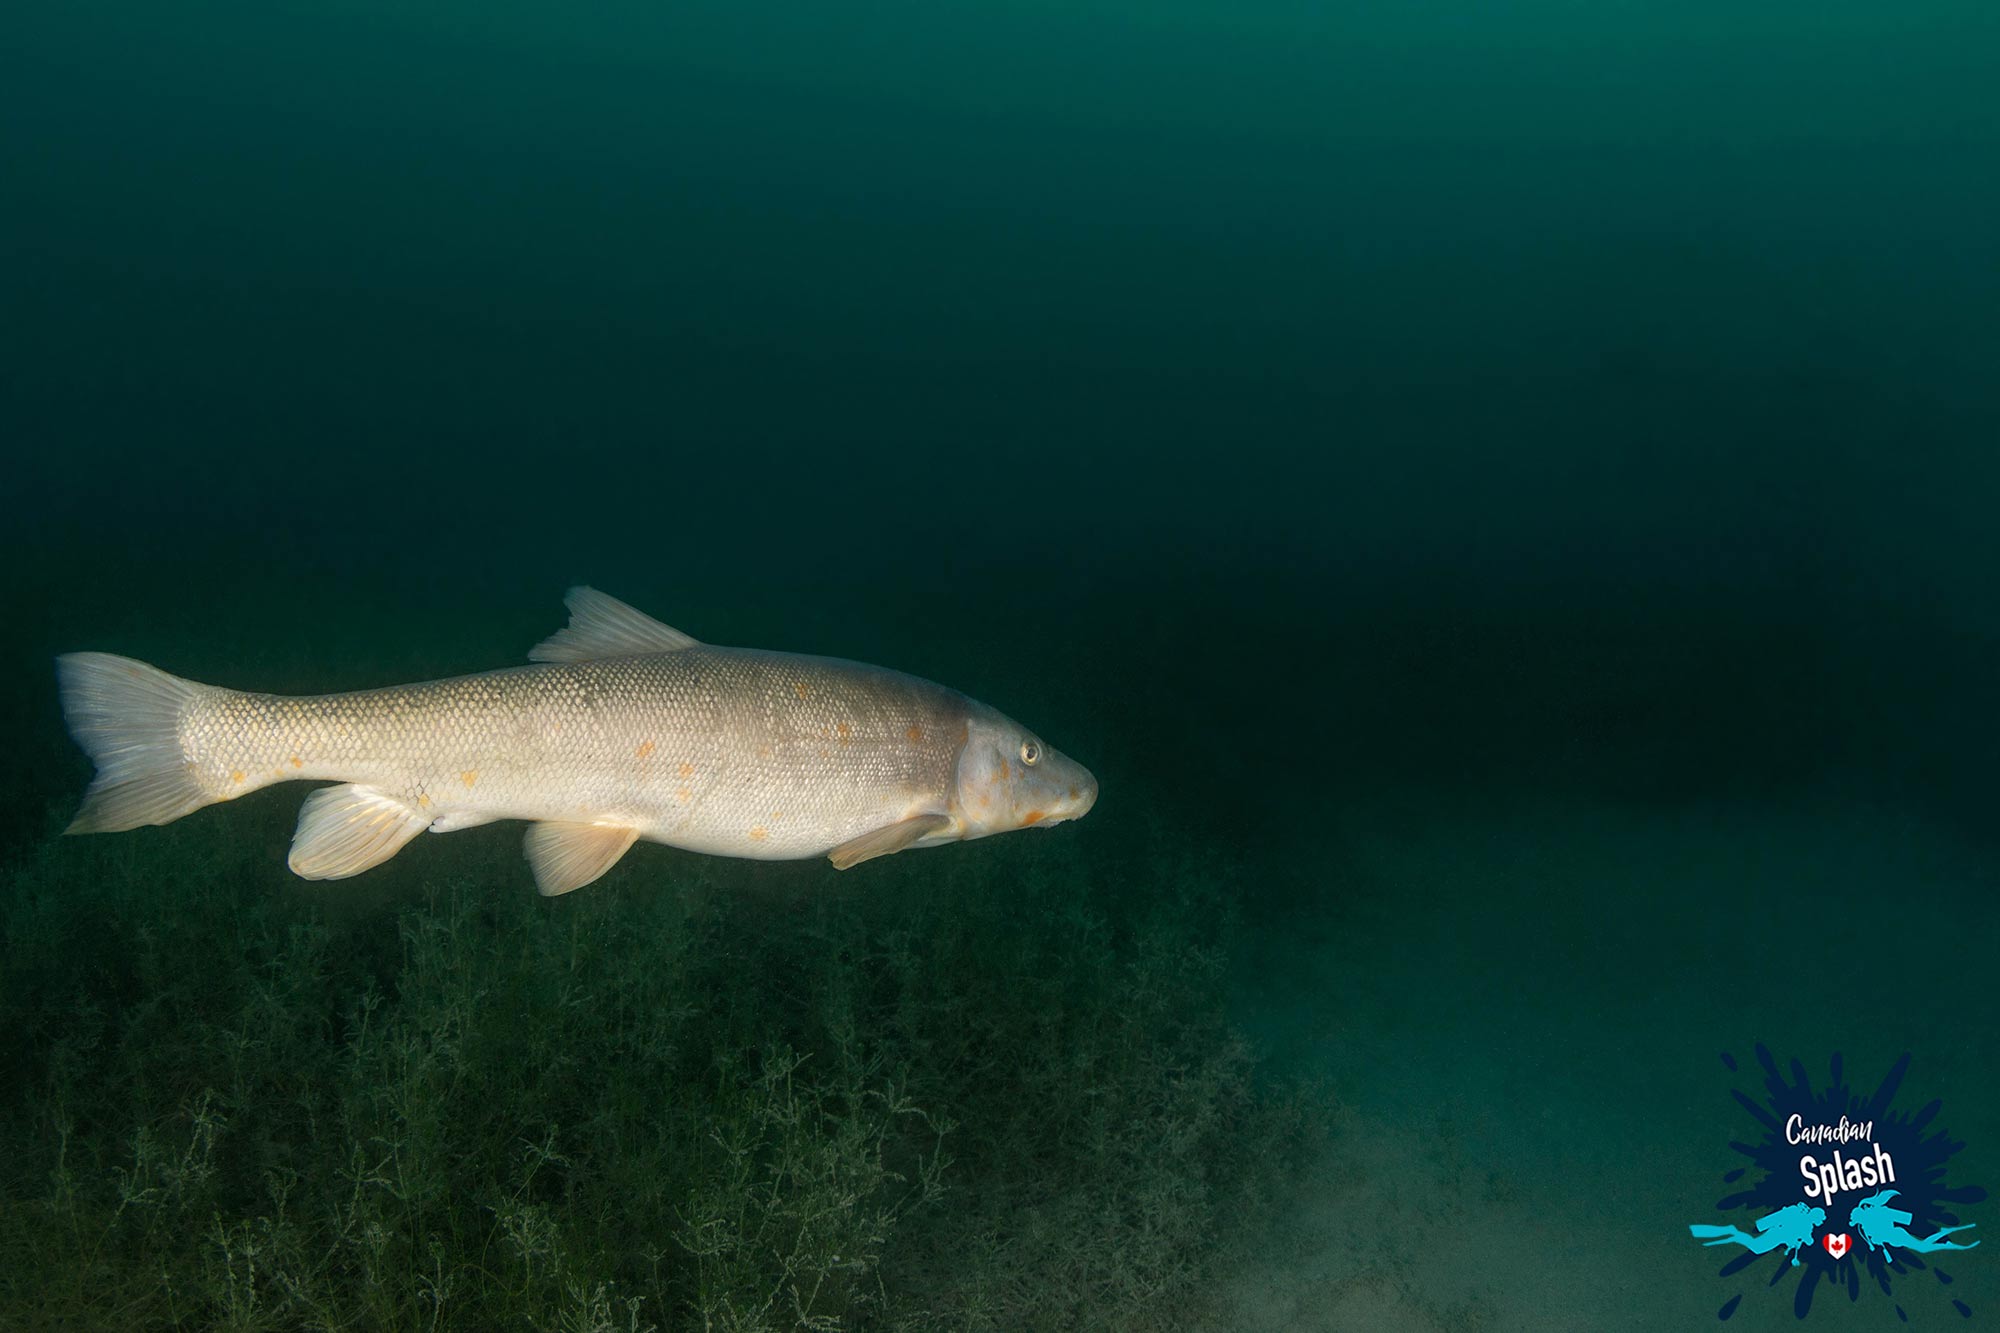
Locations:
column 1521, row 1015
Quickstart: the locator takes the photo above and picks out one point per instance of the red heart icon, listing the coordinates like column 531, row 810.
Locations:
column 1835, row 1245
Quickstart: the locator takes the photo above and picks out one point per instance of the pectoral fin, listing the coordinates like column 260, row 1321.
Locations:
column 569, row 856
column 348, row 829
column 886, row 841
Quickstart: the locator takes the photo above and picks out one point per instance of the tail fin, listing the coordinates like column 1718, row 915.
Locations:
column 126, row 716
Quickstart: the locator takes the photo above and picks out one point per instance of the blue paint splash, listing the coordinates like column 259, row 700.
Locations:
column 1879, row 1236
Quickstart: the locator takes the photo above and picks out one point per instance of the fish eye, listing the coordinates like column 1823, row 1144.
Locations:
column 1030, row 752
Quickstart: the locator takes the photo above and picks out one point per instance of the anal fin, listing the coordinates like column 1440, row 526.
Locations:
column 348, row 829
column 886, row 841
column 569, row 856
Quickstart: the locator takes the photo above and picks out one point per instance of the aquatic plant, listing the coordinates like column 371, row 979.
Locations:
column 993, row 1091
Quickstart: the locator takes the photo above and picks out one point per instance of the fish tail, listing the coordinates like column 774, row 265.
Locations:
column 127, row 717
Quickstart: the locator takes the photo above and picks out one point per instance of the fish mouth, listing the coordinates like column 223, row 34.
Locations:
column 1087, row 800
column 1064, row 808
column 1082, row 796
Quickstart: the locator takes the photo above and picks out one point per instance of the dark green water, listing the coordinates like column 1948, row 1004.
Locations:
column 1502, row 497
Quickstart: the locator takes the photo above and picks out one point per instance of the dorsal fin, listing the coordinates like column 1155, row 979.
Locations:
column 601, row 626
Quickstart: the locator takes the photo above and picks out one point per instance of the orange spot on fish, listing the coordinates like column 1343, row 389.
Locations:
column 1030, row 818
column 759, row 833
column 682, row 795
column 298, row 762
column 1005, row 771
column 763, row 752
column 424, row 802
column 469, row 776
column 846, row 733
column 644, row 750
column 1072, row 793
column 915, row 733
column 799, row 688
column 237, row 776
column 687, row 770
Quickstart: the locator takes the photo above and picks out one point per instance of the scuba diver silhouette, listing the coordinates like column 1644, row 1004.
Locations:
column 1882, row 1226
column 1789, row 1228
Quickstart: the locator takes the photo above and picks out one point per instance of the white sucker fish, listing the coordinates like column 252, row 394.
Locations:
column 622, row 729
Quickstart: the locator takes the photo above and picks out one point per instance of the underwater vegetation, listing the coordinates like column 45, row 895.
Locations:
column 991, row 1091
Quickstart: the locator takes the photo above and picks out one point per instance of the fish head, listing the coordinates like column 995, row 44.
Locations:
column 1009, row 778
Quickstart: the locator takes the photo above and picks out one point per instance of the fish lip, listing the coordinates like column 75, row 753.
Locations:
column 1085, row 802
